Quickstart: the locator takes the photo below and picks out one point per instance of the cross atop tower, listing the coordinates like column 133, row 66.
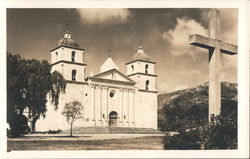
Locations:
column 109, row 52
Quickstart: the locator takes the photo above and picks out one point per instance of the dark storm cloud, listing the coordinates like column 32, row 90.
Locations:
column 33, row 32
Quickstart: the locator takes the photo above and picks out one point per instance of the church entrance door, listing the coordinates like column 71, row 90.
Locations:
column 113, row 119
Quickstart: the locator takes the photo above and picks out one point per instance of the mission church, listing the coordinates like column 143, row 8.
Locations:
column 110, row 98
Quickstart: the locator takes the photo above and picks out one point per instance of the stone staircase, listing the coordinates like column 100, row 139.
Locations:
column 112, row 130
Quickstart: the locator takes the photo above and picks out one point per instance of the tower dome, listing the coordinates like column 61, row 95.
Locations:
column 67, row 41
column 140, row 55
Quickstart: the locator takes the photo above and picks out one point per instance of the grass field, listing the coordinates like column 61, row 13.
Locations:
column 138, row 143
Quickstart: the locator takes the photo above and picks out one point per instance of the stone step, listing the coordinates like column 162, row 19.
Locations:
column 112, row 130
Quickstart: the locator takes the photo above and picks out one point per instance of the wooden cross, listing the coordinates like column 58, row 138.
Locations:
column 215, row 48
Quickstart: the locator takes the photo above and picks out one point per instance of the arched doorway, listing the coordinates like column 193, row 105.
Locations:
column 113, row 117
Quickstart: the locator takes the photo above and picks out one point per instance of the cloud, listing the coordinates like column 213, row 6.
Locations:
column 178, row 37
column 104, row 16
column 229, row 25
column 190, row 72
column 229, row 34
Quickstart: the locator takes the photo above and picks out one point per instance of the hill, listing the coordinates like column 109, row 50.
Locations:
column 177, row 108
column 196, row 95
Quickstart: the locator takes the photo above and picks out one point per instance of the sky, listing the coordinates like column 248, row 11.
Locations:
column 163, row 33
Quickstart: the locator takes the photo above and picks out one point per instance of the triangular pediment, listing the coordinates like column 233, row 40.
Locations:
column 115, row 75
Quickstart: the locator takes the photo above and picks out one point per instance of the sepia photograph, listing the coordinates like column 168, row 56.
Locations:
column 125, row 78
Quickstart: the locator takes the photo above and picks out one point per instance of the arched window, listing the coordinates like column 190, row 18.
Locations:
column 147, row 84
column 73, row 54
column 73, row 75
column 56, row 56
column 146, row 68
column 132, row 66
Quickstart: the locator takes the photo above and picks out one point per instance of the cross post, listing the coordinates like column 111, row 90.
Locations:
column 215, row 48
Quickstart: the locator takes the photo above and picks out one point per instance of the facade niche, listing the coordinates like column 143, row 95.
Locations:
column 147, row 84
column 73, row 54
column 146, row 68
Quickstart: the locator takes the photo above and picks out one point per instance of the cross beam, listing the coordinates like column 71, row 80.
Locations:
column 209, row 43
column 215, row 48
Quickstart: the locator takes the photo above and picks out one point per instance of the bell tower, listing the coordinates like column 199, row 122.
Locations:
column 68, row 59
column 141, row 70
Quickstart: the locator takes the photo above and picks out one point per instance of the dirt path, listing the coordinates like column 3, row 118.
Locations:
column 80, row 137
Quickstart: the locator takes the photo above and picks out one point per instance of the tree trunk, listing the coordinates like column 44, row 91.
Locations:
column 71, row 125
column 33, row 123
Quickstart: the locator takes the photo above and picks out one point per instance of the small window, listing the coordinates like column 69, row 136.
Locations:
column 146, row 68
column 73, row 56
column 86, row 94
column 147, row 84
column 103, row 115
column 132, row 66
column 73, row 75
column 124, row 116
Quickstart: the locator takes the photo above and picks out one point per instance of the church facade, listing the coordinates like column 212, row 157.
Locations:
column 110, row 98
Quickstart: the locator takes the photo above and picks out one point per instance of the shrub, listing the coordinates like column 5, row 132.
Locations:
column 222, row 135
column 176, row 118
column 18, row 125
column 182, row 141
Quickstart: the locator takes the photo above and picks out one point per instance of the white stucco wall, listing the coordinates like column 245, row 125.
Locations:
column 54, row 119
column 139, row 66
column 141, row 81
column 146, row 110
column 64, row 53
column 114, row 76
column 66, row 70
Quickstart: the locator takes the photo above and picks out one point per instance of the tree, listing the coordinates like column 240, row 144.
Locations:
column 16, row 89
column 29, row 82
column 72, row 111
column 41, row 83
